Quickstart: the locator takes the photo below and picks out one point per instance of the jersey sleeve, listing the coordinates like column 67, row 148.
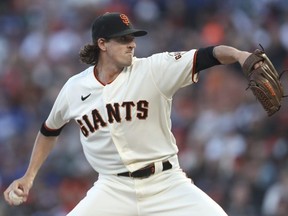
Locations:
column 172, row 71
column 59, row 114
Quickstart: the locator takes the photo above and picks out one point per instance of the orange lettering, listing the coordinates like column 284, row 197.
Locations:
column 124, row 19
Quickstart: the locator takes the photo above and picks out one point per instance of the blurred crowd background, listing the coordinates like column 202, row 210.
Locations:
column 227, row 144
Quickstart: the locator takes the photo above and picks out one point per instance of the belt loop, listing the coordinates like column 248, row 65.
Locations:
column 158, row 167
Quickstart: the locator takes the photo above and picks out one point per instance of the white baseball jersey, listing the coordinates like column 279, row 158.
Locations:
column 125, row 125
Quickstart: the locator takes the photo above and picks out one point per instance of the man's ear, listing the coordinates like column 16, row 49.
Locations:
column 101, row 44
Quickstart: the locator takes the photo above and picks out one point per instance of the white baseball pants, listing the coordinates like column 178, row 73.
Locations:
column 169, row 193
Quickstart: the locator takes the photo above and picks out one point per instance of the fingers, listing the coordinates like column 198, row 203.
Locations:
column 7, row 192
column 6, row 196
column 258, row 64
column 20, row 193
column 19, row 188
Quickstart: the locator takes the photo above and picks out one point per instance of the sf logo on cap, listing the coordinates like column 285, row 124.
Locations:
column 124, row 19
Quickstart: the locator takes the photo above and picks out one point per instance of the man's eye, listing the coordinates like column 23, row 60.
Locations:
column 126, row 39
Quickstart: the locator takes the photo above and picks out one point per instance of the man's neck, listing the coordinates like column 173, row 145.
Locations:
column 107, row 74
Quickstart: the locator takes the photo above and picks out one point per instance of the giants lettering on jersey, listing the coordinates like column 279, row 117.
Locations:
column 91, row 123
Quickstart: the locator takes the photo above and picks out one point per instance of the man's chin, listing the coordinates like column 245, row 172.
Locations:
column 129, row 63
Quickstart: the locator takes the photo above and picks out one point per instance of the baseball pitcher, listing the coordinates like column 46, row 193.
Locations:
column 122, row 105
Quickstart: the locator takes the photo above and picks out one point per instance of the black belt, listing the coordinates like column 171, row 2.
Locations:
column 146, row 171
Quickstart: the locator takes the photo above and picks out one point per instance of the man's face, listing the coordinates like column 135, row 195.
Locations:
column 120, row 50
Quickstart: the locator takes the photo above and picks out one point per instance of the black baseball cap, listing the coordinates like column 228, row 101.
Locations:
column 114, row 24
